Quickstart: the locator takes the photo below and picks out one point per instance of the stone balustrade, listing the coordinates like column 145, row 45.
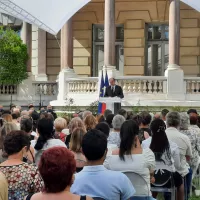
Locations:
column 8, row 89
column 83, row 85
column 143, row 84
column 192, row 85
column 45, row 88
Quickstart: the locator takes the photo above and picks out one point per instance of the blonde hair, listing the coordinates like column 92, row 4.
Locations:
column 60, row 124
column 3, row 187
column 10, row 126
column 7, row 117
column 90, row 122
column 76, row 122
column 76, row 139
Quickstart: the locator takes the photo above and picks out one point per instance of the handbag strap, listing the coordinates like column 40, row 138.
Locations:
column 29, row 197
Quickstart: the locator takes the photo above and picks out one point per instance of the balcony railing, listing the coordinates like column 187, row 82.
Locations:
column 8, row 89
column 192, row 85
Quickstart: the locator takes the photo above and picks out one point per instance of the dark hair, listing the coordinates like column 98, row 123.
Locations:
column 122, row 112
column 26, row 125
column 107, row 112
column 130, row 115
column 46, row 115
column 160, row 143
column 109, row 120
column 128, row 132
column 15, row 115
column 45, row 129
column 137, row 119
column 15, row 141
column 193, row 120
column 94, row 145
column 57, row 166
column 103, row 127
column 146, row 118
column 192, row 111
column 164, row 112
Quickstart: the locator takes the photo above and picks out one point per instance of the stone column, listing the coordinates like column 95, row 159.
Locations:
column 67, row 71
column 42, row 46
column 27, row 39
column 109, row 38
column 174, row 74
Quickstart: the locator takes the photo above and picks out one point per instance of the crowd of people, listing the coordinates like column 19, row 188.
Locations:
column 43, row 156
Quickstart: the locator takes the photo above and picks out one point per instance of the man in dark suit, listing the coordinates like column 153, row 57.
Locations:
column 114, row 91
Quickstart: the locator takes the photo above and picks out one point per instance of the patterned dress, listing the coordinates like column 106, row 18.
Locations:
column 22, row 180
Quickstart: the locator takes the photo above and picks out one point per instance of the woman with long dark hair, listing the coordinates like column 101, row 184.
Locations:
column 46, row 139
column 166, row 154
column 130, row 157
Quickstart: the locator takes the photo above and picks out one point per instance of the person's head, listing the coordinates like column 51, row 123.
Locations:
column 26, row 125
column 117, row 122
column 109, row 120
column 49, row 107
column 146, row 118
column 173, row 119
column 130, row 115
column 57, row 167
column 10, row 126
column 31, row 106
column 47, row 116
column 123, row 113
column 16, row 110
column 157, row 116
column 76, row 123
column 129, row 138
column 60, row 124
column 185, row 121
column 103, row 127
column 164, row 113
column 192, row 112
column 7, row 117
column 107, row 112
column 90, row 122
column 24, row 112
column 76, row 139
column 45, row 129
column 159, row 143
column 100, row 118
column 15, row 116
column 16, row 142
column 94, row 145
column 193, row 120
column 112, row 81
column 86, row 113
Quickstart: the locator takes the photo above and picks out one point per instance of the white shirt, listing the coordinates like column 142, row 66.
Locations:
column 114, row 138
column 172, row 165
column 184, row 146
column 141, row 164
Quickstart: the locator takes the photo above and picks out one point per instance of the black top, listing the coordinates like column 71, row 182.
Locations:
column 118, row 92
column 147, row 130
column 30, row 195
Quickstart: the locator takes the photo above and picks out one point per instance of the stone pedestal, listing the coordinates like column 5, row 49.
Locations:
column 41, row 77
column 175, row 82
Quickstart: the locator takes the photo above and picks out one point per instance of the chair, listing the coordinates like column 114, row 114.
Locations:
column 159, row 186
column 140, row 185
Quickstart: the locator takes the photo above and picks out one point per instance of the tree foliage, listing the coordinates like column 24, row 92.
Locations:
column 13, row 58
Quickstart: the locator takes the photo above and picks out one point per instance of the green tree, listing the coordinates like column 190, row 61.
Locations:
column 13, row 58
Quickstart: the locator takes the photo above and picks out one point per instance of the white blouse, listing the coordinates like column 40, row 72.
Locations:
column 141, row 164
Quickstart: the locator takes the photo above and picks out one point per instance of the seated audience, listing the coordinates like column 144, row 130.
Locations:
column 167, row 157
column 95, row 180
column 60, row 124
column 146, row 120
column 183, row 142
column 3, row 187
column 194, row 139
column 57, row 167
column 76, row 148
column 123, row 113
column 90, row 122
column 23, row 178
column 104, row 128
column 130, row 157
column 109, row 119
column 45, row 140
column 114, row 136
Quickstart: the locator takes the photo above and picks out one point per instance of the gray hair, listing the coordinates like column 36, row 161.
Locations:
column 86, row 113
column 117, row 121
column 185, row 121
column 173, row 119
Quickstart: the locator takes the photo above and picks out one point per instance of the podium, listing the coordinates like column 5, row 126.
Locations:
column 112, row 103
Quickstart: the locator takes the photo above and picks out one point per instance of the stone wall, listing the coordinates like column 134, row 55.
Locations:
column 133, row 15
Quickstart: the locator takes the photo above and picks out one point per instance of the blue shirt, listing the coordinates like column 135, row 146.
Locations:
column 97, row 181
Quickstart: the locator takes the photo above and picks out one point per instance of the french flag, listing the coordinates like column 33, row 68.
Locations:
column 103, row 86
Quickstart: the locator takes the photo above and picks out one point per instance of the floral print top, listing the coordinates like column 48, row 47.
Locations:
column 23, row 179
